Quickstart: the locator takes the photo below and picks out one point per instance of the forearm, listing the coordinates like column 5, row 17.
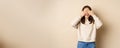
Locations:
column 98, row 22
column 76, row 21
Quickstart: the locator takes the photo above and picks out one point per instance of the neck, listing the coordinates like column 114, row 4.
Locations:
column 86, row 17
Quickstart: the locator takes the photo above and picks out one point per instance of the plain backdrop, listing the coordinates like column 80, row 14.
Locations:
column 47, row 23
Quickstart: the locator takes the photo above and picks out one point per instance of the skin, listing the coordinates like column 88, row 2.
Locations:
column 86, row 12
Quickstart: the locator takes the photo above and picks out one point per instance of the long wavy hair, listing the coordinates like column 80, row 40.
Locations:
column 90, row 18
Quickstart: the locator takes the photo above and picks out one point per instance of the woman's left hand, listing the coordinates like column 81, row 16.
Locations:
column 91, row 13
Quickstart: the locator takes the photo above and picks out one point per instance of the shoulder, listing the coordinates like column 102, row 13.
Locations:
column 95, row 17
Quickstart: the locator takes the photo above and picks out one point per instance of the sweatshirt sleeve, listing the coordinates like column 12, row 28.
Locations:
column 98, row 22
column 75, row 22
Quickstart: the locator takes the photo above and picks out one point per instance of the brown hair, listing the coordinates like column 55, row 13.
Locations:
column 91, row 19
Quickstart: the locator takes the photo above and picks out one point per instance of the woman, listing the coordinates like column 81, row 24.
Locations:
column 87, row 24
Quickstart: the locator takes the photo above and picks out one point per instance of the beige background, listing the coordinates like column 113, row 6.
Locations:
column 46, row 23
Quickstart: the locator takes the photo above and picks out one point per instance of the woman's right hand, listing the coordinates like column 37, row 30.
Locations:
column 82, row 13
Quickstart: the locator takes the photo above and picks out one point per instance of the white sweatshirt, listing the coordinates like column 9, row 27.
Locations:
column 87, row 32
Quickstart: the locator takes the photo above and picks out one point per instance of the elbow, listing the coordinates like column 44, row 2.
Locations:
column 99, row 26
column 76, row 27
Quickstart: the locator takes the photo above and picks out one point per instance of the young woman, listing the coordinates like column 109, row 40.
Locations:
column 87, row 24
